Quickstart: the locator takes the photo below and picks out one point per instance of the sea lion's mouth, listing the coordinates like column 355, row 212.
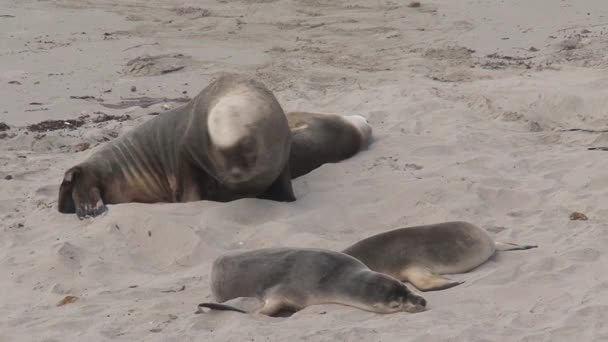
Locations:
column 238, row 178
column 246, row 186
column 236, row 174
column 413, row 308
column 414, row 304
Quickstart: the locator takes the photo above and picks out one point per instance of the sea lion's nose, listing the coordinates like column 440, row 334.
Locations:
column 236, row 172
column 417, row 300
column 422, row 302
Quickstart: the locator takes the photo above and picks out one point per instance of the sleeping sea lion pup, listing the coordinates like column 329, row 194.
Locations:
column 420, row 254
column 289, row 279
column 231, row 141
column 324, row 138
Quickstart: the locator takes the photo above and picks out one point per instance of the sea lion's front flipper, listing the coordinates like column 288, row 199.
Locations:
column 275, row 307
column 78, row 193
column 281, row 189
column 65, row 202
column 425, row 280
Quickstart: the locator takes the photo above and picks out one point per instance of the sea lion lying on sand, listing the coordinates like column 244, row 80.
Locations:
column 420, row 254
column 229, row 142
column 290, row 279
column 324, row 138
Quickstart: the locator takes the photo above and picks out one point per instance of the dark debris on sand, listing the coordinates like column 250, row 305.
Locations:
column 54, row 125
column 4, row 127
column 578, row 216
column 143, row 102
column 67, row 300
column 103, row 117
column 81, row 147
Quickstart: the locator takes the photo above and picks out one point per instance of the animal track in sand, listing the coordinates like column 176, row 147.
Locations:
column 69, row 255
column 147, row 65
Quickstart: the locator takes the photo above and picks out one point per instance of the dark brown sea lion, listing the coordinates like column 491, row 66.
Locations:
column 229, row 142
column 325, row 138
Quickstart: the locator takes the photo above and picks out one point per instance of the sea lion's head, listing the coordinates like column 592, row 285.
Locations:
column 363, row 128
column 238, row 163
column 386, row 294
column 249, row 141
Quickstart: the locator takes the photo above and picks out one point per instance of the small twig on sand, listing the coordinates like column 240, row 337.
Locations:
column 316, row 25
column 584, row 130
column 85, row 97
column 509, row 58
column 176, row 290
column 138, row 45
column 579, row 26
column 166, row 71
column 143, row 102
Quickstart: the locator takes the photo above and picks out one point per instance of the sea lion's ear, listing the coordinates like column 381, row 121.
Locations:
column 65, row 203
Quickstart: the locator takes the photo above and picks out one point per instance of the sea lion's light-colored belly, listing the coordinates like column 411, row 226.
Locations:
column 140, row 176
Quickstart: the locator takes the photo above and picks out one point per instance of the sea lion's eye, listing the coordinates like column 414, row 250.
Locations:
column 392, row 297
column 247, row 143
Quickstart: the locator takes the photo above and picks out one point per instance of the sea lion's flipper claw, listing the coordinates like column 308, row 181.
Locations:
column 426, row 280
column 87, row 211
column 99, row 209
column 85, row 195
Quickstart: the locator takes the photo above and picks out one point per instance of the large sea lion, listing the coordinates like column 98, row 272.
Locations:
column 420, row 254
column 231, row 141
column 289, row 279
column 324, row 138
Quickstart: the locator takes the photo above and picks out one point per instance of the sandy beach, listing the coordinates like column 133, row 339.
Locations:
column 482, row 110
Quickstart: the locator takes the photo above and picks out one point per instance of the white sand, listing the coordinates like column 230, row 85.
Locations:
column 459, row 136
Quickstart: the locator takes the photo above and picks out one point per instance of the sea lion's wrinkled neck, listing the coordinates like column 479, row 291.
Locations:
column 146, row 159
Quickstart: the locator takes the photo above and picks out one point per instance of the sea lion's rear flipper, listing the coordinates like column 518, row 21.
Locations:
column 507, row 246
column 281, row 189
column 79, row 193
column 217, row 306
column 273, row 307
column 425, row 280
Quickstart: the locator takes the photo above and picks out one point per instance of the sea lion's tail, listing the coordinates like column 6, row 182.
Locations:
column 217, row 306
column 507, row 246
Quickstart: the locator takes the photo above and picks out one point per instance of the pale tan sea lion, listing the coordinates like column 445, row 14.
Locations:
column 290, row 279
column 229, row 142
column 419, row 255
